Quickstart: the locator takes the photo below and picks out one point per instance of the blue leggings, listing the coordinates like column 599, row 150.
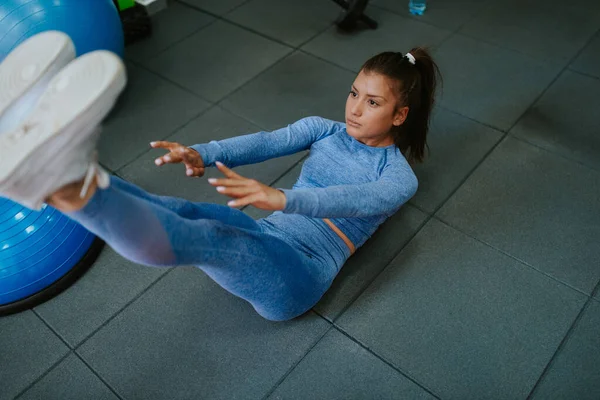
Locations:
column 279, row 281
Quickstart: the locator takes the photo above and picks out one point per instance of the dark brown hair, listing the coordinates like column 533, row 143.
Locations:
column 416, row 89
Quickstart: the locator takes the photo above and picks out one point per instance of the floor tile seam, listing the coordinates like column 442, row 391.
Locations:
column 584, row 74
column 43, row 375
column 552, row 82
column 331, row 63
column 418, row 207
column 384, row 360
column 555, row 153
column 514, row 258
column 345, row 68
column 316, row 35
column 84, row 361
column 172, row 133
column 560, row 347
column 175, row 43
column 596, row 291
column 295, row 365
column 224, row 18
column 325, row 317
column 288, row 170
column 122, row 309
column 483, row 159
column 394, row 256
column 249, row 81
column 472, row 119
column 457, row 31
column 147, row 69
column 490, row 5
column 51, row 328
column 235, row 114
column 266, row 36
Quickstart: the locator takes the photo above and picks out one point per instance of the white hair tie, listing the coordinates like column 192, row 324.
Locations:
column 411, row 58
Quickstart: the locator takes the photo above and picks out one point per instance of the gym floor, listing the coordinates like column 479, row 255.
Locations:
column 486, row 285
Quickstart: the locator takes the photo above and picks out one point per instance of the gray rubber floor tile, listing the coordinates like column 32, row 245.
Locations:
column 467, row 321
column 218, row 7
column 445, row 14
column 535, row 206
column 27, row 350
column 151, row 108
column 290, row 21
column 395, row 33
column 188, row 338
column 168, row 27
column 568, row 127
column 214, row 68
column 103, row 291
column 490, row 84
column 338, row 368
column 588, row 60
column 574, row 374
column 456, row 145
column 170, row 180
column 547, row 30
column 69, row 380
column 297, row 87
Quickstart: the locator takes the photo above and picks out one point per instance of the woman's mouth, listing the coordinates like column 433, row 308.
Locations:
column 352, row 123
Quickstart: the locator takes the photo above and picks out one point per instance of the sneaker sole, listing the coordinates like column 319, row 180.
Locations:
column 27, row 70
column 75, row 100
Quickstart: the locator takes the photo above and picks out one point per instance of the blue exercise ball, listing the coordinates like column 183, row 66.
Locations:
column 43, row 252
column 91, row 24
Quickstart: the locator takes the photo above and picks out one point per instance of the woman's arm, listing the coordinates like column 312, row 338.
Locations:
column 261, row 146
column 385, row 196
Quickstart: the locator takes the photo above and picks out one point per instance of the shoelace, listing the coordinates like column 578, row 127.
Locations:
column 93, row 172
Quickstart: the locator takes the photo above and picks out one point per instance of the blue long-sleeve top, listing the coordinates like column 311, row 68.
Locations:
column 354, row 185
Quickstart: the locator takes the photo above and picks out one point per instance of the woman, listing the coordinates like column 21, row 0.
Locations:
column 356, row 176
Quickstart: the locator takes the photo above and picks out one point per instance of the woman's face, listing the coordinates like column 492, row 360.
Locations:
column 372, row 109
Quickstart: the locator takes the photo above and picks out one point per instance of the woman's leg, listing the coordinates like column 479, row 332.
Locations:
column 187, row 209
column 280, row 282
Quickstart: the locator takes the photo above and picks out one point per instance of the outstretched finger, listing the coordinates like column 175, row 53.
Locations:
column 193, row 171
column 228, row 182
column 227, row 172
column 168, row 158
column 161, row 144
column 244, row 201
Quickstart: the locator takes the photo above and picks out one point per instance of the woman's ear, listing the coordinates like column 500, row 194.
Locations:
column 400, row 116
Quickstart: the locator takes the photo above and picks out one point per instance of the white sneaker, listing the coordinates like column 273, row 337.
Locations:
column 27, row 70
column 56, row 143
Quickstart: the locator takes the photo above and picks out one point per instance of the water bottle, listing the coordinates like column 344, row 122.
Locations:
column 417, row 7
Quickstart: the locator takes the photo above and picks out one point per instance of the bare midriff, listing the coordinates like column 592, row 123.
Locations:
column 341, row 235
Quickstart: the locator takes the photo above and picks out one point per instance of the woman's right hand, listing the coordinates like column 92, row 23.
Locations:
column 178, row 153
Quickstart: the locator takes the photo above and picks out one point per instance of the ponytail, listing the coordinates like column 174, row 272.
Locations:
column 417, row 76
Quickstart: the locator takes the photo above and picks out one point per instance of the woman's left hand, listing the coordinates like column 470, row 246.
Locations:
column 247, row 191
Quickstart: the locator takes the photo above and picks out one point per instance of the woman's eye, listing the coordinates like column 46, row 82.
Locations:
column 373, row 103
column 353, row 93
